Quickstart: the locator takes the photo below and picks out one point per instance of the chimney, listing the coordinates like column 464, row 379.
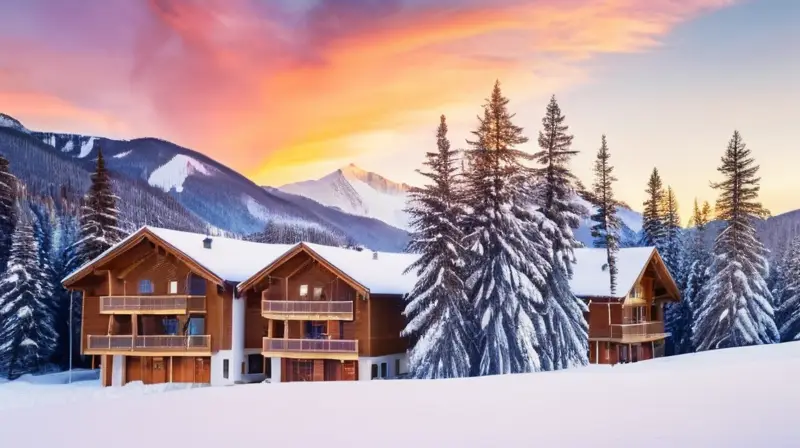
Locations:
column 374, row 255
column 207, row 242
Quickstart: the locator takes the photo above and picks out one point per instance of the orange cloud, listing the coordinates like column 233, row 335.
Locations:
column 265, row 93
column 55, row 114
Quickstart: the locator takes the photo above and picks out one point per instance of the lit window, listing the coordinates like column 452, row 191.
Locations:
column 303, row 290
column 317, row 293
column 637, row 292
column 173, row 287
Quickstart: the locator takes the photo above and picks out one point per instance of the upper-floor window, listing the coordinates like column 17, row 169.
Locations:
column 145, row 287
column 318, row 293
column 303, row 291
column 173, row 287
column 637, row 292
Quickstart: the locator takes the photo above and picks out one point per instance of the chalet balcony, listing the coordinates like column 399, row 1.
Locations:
column 306, row 310
column 341, row 349
column 162, row 345
column 150, row 304
column 638, row 332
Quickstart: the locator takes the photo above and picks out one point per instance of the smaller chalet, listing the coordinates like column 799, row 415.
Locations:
column 169, row 306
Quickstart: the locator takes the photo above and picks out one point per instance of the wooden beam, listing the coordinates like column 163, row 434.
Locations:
column 133, row 266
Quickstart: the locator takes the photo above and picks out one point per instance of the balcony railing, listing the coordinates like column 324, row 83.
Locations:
column 311, row 348
column 171, row 304
column 306, row 310
column 155, row 343
column 643, row 329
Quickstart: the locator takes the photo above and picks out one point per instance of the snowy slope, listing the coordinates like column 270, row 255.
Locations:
column 358, row 192
column 173, row 174
column 701, row 400
column 631, row 224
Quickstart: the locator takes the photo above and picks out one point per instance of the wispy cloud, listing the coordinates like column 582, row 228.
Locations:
column 286, row 83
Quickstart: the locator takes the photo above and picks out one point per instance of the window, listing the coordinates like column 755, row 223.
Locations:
column 374, row 371
column 225, row 368
column 303, row 291
column 145, row 287
column 197, row 326
column 638, row 314
column 255, row 364
column 396, row 367
column 173, row 287
column 384, row 370
column 170, row 325
column 317, row 293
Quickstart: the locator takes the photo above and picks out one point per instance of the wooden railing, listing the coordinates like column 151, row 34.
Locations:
column 171, row 304
column 640, row 329
column 310, row 347
column 153, row 343
column 307, row 309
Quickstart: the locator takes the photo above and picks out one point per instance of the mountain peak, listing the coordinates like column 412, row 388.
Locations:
column 7, row 121
column 380, row 183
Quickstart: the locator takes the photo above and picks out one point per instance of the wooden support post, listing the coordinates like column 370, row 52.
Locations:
column 270, row 330
column 286, row 329
column 110, row 324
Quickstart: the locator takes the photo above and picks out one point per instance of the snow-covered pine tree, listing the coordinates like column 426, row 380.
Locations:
column 27, row 334
column 787, row 315
column 605, row 229
column 736, row 308
column 672, row 244
column 652, row 224
column 507, row 264
column 694, row 274
column 100, row 227
column 556, row 191
column 440, row 317
column 8, row 197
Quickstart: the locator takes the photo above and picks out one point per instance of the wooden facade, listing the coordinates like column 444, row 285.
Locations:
column 631, row 329
column 152, row 311
column 318, row 321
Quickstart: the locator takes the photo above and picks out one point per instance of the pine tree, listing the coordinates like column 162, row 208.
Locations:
column 605, row 231
column 8, row 197
column 100, row 227
column 27, row 334
column 652, row 224
column 736, row 309
column 438, row 309
column 787, row 316
column 671, row 243
column 693, row 275
column 506, row 271
column 567, row 330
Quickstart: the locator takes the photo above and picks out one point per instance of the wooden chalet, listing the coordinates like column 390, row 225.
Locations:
column 628, row 324
column 170, row 306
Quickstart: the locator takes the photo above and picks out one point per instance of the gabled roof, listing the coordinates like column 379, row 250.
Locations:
column 591, row 279
column 243, row 262
column 228, row 259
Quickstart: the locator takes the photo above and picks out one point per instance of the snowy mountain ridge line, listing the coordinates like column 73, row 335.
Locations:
column 11, row 122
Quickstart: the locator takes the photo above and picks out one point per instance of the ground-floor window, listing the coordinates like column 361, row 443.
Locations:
column 255, row 364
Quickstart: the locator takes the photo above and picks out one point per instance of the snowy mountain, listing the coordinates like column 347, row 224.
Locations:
column 195, row 192
column 358, row 192
column 629, row 233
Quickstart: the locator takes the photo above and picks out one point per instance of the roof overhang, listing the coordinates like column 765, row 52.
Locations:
column 129, row 242
column 297, row 249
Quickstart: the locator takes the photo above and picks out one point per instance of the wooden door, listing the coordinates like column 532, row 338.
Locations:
column 202, row 370
column 133, row 369
column 159, row 372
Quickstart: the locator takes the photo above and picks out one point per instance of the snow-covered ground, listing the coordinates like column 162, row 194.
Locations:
column 733, row 398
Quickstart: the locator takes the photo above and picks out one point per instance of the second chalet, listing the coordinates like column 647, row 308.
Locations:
column 169, row 306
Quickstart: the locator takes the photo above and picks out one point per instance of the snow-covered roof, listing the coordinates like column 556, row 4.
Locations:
column 228, row 258
column 381, row 275
column 591, row 279
column 238, row 261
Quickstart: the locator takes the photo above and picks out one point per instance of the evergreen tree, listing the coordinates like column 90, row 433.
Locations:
column 736, row 308
column 507, row 264
column 27, row 334
column 100, row 227
column 438, row 309
column 787, row 316
column 652, row 224
column 694, row 275
column 671, row 243
column 605, row 229
column 8, row 197
column 567, row 330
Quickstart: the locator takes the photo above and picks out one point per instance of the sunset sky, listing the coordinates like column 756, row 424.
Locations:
column 287, row 90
